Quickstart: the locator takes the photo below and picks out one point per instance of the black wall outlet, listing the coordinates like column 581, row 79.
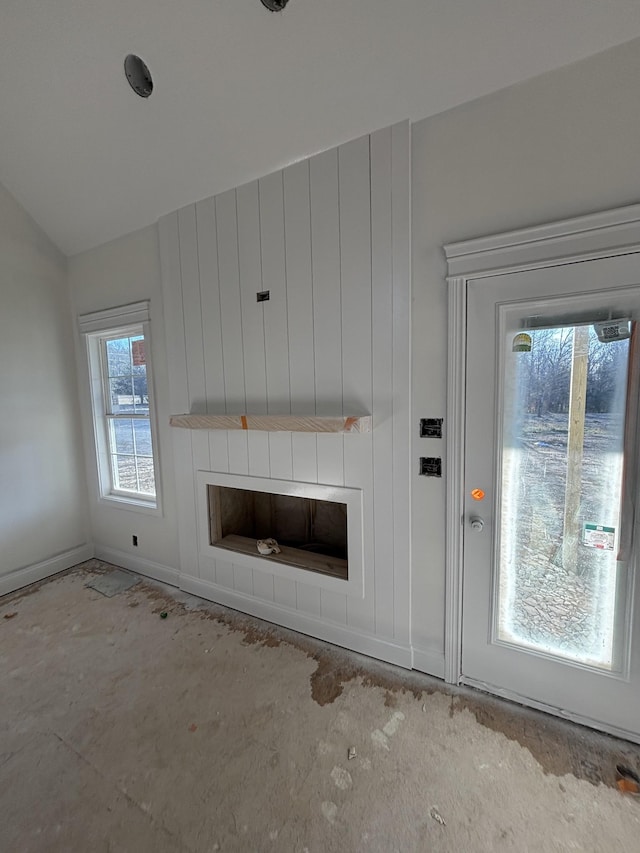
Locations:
column 430, row 466
column 430, row 427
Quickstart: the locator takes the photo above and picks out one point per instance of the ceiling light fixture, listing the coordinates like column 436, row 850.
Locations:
column 138, row 75
column 274, row 5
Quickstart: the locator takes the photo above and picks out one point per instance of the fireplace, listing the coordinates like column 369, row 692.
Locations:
column 310, row 533
column 318, row 528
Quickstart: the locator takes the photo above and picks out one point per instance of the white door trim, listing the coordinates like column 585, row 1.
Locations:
column 598, row 235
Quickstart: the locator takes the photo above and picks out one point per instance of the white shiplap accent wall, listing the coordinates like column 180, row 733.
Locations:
column 329, row 238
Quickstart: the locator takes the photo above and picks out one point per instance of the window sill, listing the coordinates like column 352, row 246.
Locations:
column 133, row 504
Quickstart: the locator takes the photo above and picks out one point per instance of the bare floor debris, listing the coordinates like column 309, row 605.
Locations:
column 215, row 731
column 627, row 780
column 435, row 814
column 113, row 583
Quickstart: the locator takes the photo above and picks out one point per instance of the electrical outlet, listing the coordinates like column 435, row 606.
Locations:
column 430, row 427
column 262, row 296
column 134, row 540
column 430, row 466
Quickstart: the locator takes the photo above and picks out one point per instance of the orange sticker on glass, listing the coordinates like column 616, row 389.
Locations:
column 477, row 494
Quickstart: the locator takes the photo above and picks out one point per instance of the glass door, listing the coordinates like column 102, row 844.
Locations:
column 550, row 485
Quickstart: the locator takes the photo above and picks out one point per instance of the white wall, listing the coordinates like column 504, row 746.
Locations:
column 128, row 270
column 42, row 492
column 329, row 238
column 561, row 145
column 557, row 146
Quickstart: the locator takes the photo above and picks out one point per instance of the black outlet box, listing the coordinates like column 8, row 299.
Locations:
column 430, row 466
column 431, row 427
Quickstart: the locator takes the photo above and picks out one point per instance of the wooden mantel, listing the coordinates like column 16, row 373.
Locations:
column 276, row 423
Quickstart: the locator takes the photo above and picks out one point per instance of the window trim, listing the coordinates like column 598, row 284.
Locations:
column 96, row 327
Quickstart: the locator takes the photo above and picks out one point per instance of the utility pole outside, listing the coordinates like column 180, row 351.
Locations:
column 575, row 448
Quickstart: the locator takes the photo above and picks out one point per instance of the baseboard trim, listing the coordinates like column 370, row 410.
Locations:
column 148, row 568
column 426, row 660
column 338, row 635
column 45, row 569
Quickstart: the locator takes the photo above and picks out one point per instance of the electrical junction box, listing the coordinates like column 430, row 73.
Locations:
column 430, row 466
column 430, row 427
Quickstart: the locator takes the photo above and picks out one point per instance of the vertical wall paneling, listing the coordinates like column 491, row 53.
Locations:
column 211, row 328
column 243, row 579
column 258, row 446
column 191, row 307
column 355, row 265
column 207, row 568
column 382, row 310
column 210, row 306
column 300, row 321
column 218, row 451
column 327, row 308
column 308, row 599
column 333, row 606
column 263, row 586
column 250, row 271
column 174, row 320
column 281, row 455
column 285, row 592
column 327, row 332
column 274, row 279
column 224, row 573
column 329, row 239
column 327, row 284
column 178, row 387
column 238, row 452
column 299, row 288
column 305, row 457
column 401, row 225
column 231, row 322
column 276, row 351
column 330, row 459
column 252, row 312
column 230, row 311
column 192, row 312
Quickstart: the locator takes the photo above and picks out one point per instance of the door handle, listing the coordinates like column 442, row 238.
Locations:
column 476, row 522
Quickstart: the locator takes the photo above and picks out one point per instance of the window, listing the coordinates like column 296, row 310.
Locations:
column 127, row 413
column 122, row 404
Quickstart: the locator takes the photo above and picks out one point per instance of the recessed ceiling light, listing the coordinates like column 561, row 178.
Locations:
column 138, row 75
column 275, row 5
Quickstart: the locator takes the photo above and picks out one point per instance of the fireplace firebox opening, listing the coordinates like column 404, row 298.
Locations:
column 311, row 533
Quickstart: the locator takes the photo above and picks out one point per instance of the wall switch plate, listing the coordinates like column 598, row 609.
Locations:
column 262, row 296
column 431, row 427
column 430, row 466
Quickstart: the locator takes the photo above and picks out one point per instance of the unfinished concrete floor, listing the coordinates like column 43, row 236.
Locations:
column 210, row 731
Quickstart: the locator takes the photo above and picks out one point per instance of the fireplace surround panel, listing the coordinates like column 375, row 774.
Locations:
column 318, row 528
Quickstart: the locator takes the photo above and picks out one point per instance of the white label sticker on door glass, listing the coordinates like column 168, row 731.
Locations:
column 599, row 536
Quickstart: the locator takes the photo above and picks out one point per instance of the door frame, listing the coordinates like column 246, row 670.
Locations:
column 598, row 235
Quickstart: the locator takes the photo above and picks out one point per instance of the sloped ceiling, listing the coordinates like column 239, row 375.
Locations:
column 240, row 91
